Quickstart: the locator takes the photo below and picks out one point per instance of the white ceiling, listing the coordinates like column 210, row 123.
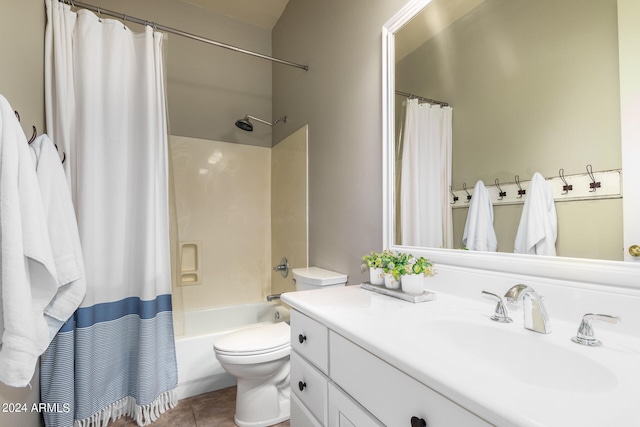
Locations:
column 261, row 13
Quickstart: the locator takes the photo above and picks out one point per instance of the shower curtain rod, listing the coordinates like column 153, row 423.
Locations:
column 157, row 26
column 422, row 98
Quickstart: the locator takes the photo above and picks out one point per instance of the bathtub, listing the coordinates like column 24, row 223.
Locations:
column 198, row 369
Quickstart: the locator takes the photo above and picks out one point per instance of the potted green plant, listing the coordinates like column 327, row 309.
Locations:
column 376, row 262
column 414, row 272
column 394, row 269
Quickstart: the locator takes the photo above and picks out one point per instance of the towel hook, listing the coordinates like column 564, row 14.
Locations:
column 33, row 136
column 593, row 185
column 99, row 14
column 464, row 187
column 501, row 193
column 455, row 198
column 566, row 187
column 35, row 132
column 521, row 192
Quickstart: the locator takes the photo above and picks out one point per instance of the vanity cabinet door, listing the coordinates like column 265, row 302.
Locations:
column 390, row 395
column 346, row 412
column 310, row 339
column 300, row 415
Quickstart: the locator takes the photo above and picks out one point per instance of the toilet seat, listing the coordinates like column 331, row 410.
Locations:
column 255, row 345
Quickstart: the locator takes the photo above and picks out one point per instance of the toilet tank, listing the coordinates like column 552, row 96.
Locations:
column 317, row 278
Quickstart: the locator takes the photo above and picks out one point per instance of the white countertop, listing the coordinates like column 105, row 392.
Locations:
column 605, row 385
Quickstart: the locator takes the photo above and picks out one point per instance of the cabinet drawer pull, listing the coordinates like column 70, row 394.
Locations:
column 418, row 422
column 302, row 338
column 302, row 385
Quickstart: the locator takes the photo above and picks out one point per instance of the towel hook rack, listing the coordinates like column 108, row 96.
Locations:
column 566, row 187
column 593, row 185
column 501, row 194
column 455, row 198
column 464, row 187
column 521, row 192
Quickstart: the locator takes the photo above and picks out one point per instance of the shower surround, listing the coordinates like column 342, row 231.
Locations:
column 223, row 198
column 246, row 207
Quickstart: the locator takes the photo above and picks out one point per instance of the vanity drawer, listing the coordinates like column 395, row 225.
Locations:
column 310, row 386
column 310, row 339
column 389, row 394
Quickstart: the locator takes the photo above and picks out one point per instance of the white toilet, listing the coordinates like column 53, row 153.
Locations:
column 259, row 359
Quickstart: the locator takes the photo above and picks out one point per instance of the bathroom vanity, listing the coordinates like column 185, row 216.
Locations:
column 364, row 359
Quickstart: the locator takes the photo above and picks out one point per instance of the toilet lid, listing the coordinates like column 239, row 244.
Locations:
column 255, row 340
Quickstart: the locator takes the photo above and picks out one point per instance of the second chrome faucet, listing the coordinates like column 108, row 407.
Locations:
column 535, row 315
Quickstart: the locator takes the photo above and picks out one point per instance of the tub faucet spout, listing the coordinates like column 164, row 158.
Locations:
column 273, row 296
column 535, row 314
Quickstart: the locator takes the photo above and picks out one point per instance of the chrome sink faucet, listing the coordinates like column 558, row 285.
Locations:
column 535, row 315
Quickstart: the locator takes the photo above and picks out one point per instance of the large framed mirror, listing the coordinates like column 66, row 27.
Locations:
column 531, row 87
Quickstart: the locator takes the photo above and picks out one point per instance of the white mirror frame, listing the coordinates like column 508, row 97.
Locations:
column 588, row 271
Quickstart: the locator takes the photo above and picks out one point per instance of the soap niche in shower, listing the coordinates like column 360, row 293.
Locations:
column 190, row 271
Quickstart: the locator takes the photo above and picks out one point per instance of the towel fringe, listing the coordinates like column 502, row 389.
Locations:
column 142, row 414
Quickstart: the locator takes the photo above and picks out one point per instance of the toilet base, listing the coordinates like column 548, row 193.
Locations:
column 284, row 415
column 261, row 405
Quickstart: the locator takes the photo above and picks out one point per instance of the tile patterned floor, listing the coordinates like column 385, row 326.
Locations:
column 214, row 409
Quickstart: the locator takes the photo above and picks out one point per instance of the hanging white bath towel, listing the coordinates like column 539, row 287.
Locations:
column 538, row 229
column 26, row 262
column 63, row 234
column 479, row 234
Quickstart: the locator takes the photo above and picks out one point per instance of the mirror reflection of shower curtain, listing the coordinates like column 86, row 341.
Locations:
column 425, row 212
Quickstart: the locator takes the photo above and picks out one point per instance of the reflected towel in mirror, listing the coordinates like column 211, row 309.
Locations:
column 538, row 229
column 479, row 234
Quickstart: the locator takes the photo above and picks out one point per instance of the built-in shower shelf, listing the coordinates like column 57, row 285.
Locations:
column 599, row 185
column 190, row 270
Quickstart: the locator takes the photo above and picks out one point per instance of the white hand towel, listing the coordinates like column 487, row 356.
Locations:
column 63, row 233
column 538, row 229
column 26, row 254
column 479, row 234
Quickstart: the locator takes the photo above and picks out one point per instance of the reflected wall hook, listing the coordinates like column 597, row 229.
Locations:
column 566, row 187
column 464, row 187
column 17, row 114
column 593, row 185
column 455, row 198
column 501, row 193
column 521, row 192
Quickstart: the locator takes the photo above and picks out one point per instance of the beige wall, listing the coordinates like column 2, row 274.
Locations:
column 21, row 59
column 525, row 102
column 22, row 83
column 289, row 235
column 340, row 99
column 223, row 201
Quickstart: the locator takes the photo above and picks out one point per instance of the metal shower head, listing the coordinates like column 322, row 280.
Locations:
column 246, row 125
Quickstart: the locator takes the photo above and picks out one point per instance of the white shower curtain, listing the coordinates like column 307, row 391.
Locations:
column 105, row 107
column 425, row 212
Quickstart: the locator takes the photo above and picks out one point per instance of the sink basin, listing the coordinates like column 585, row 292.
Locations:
column 524, row 356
